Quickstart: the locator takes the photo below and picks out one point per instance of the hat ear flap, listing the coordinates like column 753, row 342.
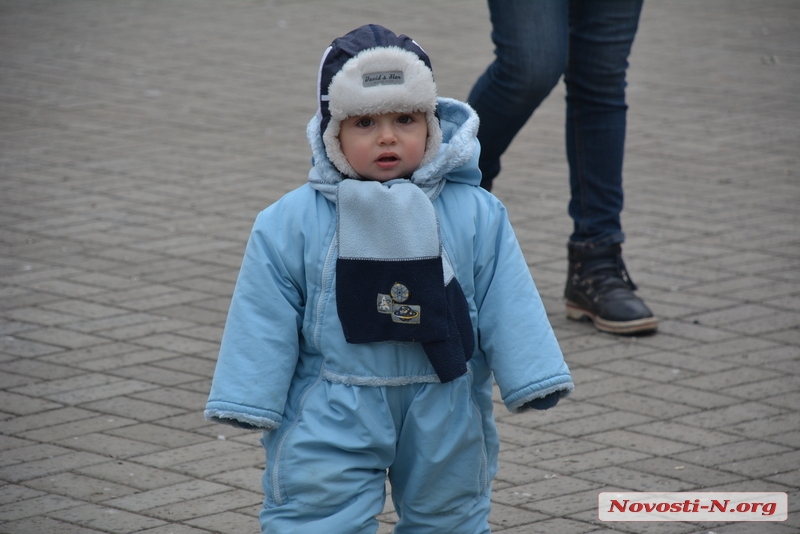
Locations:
column 434, row 141
column 330, row 138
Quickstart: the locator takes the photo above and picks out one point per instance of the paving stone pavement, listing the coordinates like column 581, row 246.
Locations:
column 139, row 139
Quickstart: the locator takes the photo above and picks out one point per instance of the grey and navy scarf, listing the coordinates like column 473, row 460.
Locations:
column 394, row 282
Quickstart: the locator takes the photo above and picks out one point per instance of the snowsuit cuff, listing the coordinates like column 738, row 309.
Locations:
column 238, row 416
column 517, row 401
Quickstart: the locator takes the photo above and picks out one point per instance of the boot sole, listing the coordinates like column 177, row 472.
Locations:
column 637, row 326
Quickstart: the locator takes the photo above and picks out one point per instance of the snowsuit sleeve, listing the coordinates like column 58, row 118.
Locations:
column 260, row 345
column 513, row 329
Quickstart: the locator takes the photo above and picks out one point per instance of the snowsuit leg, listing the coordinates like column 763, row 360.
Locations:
column 327, row 463
column 442, row 472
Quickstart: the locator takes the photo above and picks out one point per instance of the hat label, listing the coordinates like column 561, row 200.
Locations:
column 374, row 79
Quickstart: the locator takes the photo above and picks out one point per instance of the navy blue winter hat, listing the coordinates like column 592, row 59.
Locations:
column 371, row 71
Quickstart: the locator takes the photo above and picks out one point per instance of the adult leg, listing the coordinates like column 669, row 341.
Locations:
column 598, row 285
column 601, row 35
column 530, row 40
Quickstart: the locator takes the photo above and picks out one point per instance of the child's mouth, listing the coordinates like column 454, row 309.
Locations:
column 388, row 161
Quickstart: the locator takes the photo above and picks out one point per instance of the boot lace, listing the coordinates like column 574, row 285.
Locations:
column 602, row 277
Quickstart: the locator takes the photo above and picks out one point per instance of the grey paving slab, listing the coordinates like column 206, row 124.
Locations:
column 52, row 464
column 235, row 500
column 139, row 140
column 45, row 524
column 80, row 487
column 105, row 519
column 168, row 495
column 631, row 479
column 248, row 478
column 133, row 474
column 227, row 523
column 172, row 528
column 10, row 493
column 76, row 428
column 108, row 445
column 18, row 453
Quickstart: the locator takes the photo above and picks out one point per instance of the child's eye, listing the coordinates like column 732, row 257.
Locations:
column 364, row 122
column 405, row 119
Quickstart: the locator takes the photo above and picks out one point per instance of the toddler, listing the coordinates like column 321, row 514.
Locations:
column 374, row 307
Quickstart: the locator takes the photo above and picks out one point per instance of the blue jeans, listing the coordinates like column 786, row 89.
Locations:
column 588, row 42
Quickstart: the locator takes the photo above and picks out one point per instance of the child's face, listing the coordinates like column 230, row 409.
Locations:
column 384, row 147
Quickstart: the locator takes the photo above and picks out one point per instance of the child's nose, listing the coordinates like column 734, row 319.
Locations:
column 386, row 134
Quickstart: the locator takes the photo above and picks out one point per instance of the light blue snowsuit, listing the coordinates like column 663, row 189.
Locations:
column 338, row 416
